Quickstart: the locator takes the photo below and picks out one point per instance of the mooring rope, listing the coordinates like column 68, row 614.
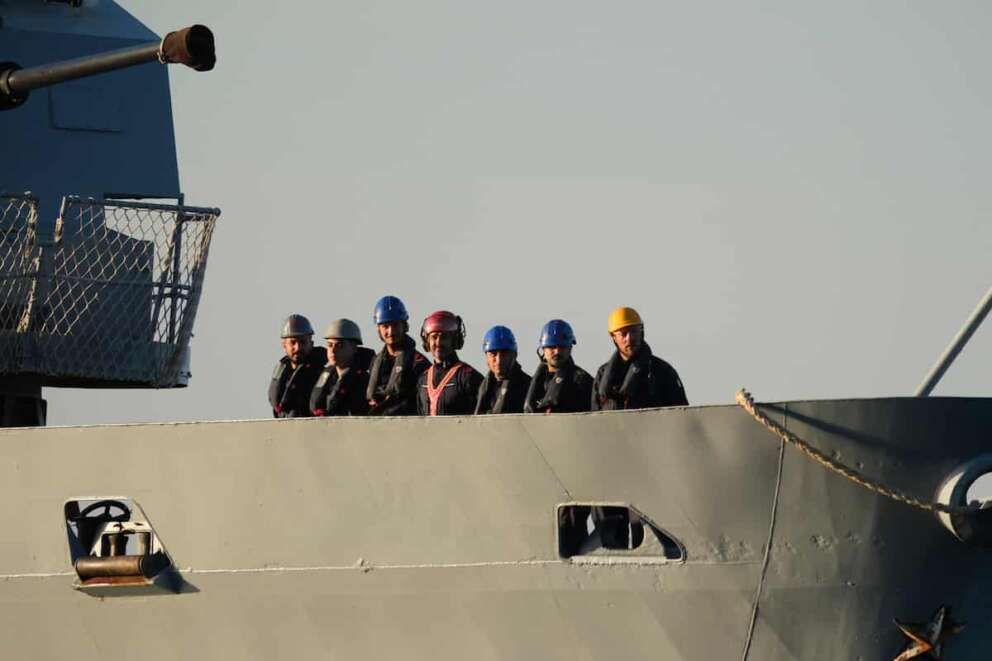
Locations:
column 746, row 402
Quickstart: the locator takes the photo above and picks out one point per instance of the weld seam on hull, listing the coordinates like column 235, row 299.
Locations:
column 548, row 464
column 370, row 567
column 768, row 551
column 54, row 574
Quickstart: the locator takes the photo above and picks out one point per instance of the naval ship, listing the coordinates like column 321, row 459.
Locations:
column 814, row 530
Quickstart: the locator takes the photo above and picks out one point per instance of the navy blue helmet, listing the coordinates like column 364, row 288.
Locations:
column 389, row 308
column 556, row 333
column 499, row 338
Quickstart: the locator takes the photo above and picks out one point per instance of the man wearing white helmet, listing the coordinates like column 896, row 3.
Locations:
column 340, row 388
column 296, row 371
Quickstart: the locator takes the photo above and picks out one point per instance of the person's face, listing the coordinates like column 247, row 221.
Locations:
column 500, row 362
column 297, row 348
column 392, row 332
column 628, row 340
column 340, row 352
column 556, row 356
column 441, row 344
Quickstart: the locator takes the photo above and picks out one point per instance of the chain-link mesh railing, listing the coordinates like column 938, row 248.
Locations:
column 112, row 300
column 18, row 268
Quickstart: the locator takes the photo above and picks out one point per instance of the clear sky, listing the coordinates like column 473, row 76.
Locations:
column 794, row 195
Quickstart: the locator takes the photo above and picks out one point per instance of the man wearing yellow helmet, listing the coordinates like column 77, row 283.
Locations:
column 634, row 378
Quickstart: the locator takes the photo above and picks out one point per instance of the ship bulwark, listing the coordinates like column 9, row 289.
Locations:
column 438, row 538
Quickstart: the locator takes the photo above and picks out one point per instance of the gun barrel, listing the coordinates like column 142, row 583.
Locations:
column 22, row 81
column 192, row 46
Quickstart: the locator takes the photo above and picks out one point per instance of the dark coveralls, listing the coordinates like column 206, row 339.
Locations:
column 392, row 388
column 448, row 388
column 645, row 381
column 289, row 389
column 343, row 394
column 569, row 390
column 506, row 396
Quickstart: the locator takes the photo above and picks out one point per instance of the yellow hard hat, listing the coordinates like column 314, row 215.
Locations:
column 623, row 317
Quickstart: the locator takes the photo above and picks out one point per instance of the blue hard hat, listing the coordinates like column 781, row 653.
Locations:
column 499, row 338
column 556, row 333
column 389, row 308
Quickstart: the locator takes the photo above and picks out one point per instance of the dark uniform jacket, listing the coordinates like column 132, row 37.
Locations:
column 392, row 388
column 448, row 388
column 343, row 394
column 568, row 390
column 289, row 389
column 506, row 396
column 643, row 382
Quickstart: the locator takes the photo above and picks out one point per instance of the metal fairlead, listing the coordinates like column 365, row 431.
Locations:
column 972, row 525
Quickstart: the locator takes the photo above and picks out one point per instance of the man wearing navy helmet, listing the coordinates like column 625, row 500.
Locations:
column 558, row 385
column 449, row 386
column 392, row 388
column 505, row 386
column 297, row 371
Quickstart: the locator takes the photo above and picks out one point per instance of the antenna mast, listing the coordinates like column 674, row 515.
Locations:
column 956, row 345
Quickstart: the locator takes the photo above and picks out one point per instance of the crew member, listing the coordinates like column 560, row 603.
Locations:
column 634, row 378
column 340, row 389
column 505, row 386
column 559, row 385
column 449, row 386
column 392, row 388
column 297, row 371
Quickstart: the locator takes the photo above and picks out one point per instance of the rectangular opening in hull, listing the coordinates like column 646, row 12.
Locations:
column 613, row 532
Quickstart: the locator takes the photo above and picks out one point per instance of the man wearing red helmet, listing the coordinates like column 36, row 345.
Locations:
column 449, row 386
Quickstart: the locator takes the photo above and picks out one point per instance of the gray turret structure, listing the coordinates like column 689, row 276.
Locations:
column 86, row 121
column 107, row 134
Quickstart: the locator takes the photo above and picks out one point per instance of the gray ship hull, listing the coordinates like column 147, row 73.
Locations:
column 439, row 538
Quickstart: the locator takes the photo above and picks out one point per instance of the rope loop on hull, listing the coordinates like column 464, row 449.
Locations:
column 746, row 402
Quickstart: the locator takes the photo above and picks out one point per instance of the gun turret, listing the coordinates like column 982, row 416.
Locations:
column 192, row 46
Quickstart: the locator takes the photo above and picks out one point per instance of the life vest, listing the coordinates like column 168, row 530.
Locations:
column 284, row 377
column 509, row 396
column 386, row 392
column 545, row 394
column 277, row 385
column 434, row 393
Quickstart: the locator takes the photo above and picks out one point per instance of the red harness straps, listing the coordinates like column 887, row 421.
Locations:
column 434, row 394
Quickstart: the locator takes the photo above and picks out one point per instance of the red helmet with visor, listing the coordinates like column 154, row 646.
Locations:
column 443, row 321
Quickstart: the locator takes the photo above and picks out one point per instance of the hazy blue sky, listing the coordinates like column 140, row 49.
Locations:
column 795, row 196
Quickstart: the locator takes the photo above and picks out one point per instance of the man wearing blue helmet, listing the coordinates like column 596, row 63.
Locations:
column 505, row 387
column 559, row 385
column 393, row 377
